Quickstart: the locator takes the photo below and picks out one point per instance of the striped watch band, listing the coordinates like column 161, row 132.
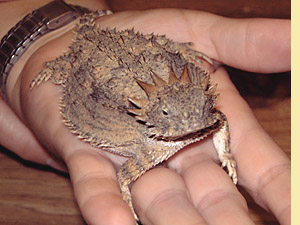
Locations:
column 49, row 17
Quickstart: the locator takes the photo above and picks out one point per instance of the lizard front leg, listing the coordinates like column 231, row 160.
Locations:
column 221, row 140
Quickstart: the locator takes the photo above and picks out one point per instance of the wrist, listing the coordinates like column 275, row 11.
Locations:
column 32, row 44
column 11, row 12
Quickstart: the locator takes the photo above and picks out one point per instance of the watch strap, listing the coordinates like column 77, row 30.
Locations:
column 49, row 17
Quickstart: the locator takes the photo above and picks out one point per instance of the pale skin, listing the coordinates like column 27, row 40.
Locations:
column 193, row 189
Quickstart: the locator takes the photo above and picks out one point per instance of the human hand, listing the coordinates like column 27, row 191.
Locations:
column 199, row 190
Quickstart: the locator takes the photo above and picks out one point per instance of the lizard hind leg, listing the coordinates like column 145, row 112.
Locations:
column 221, row 140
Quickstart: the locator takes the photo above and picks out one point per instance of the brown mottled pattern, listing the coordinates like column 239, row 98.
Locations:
column 142, row 96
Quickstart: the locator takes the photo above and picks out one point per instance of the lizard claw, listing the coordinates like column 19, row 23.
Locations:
column 230, row 165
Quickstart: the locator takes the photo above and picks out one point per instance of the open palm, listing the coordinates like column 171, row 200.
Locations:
column 195, row 190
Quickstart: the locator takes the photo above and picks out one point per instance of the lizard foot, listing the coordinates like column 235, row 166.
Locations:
column 229, row 163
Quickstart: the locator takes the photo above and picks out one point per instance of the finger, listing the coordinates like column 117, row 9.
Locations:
column 257, row 45
column 160, row 197
column 213, row 193
column 96, row 189
column 16, row 137
column 263, row 168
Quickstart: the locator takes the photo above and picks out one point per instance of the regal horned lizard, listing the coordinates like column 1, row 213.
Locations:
column 142, row 96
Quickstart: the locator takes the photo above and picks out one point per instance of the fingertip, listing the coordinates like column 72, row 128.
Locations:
column 18, row 138
column 107, row 209
column 257, row 45
column 160, row 197
column 96, row 189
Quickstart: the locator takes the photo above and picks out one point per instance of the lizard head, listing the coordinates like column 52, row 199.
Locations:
column 177, row 109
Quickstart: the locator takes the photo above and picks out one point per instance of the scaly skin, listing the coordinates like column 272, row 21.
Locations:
column 140, row 96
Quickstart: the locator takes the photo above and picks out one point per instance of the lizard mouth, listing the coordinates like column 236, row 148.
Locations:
column 197, row 134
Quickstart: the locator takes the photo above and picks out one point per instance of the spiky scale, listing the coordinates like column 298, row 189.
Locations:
column 148, row 88
column 157, row 80
column 138, row 102
column 185, row 78
column 172, row 77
